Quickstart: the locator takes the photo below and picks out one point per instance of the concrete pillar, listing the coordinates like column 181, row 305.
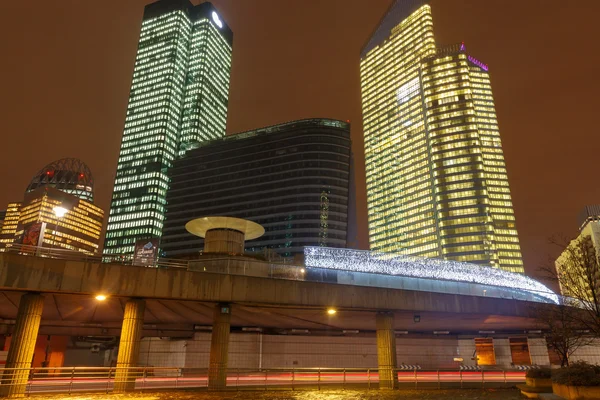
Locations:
column 219, row 348
column 386, row 351
column 22, row 345
column 129, row 345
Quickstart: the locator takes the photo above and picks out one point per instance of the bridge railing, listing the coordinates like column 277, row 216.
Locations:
column 102, row 379
column 71, row 255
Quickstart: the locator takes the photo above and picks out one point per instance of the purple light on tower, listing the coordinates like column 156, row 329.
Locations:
column 462, row 46
column 478, row 63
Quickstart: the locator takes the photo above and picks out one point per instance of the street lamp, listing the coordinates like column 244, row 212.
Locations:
column 59, row 212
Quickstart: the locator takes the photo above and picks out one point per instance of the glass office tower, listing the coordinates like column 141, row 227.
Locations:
column 178, row 98
column 436, row 179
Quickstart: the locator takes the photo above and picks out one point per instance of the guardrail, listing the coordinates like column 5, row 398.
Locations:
column 248, row 266
column 62, row 254
column 102, row 379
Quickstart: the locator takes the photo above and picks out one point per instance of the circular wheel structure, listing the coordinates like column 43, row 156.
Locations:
column 69, row 175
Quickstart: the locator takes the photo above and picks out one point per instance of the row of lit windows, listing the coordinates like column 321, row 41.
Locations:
column 465, row 221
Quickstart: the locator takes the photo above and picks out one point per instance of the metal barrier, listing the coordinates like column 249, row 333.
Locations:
column 62, row 254
column 102, row 379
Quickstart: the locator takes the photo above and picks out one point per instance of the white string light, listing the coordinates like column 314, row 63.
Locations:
column 425, row 268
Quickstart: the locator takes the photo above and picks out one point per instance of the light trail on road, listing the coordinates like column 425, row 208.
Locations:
column 278, row 380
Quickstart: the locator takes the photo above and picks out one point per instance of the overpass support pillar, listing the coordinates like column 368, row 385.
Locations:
column 219, row 348
column 129, row 345
column 22, row 345
column 386, row 350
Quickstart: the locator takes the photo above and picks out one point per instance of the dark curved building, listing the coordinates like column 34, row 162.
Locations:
column 69, row 175
column 291, row 178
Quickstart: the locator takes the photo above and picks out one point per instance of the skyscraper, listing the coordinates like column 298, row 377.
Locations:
column 66, row 183
column 79, row 229
column 178, row 98
column 436, row 179
column 9, row 225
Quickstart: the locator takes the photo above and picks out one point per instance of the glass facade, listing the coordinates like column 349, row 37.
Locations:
column 291, row 178
column 33, row 222
column 78, row 230
column 178, row 98
column 436, row 180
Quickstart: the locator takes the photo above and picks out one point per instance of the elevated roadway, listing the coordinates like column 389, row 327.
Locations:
column 42, row 295
column 178, row 299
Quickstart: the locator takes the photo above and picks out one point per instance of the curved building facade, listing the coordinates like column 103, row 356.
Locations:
column 291, row 178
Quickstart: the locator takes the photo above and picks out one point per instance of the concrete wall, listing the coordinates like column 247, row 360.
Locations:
column 538, row 350
column 466, row 350
column 325, row 351
column 502, row 352
column 78, row 357
column 157, row 352
column 258, row 351
column 295, row 351
column 590, row 353
column 198, row 350
column 428, row 352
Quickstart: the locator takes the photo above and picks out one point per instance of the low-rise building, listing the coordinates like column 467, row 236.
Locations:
column 578, row 266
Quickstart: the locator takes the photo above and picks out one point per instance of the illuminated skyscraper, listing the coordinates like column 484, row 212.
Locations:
column 436, row 179
column 9, row 225
column 39, row 226
column 66, row 183
column 178, row 99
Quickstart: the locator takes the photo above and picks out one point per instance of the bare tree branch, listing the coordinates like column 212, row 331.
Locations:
column 578, row 274
column 564, row 332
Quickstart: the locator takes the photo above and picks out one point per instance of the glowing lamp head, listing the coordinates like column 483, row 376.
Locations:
column 100, row 297
column 59, row 211
column 216, row 19
column 331, row 311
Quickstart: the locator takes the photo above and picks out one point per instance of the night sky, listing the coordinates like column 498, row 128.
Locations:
column 66, row 68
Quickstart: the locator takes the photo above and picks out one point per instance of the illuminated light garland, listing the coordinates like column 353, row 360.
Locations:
column 478, row 63
column 425, row 268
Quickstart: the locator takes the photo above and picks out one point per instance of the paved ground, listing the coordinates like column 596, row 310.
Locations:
column 464, row 394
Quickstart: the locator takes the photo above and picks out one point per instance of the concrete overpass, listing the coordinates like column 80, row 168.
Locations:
column 171, row 301
column 178, row 299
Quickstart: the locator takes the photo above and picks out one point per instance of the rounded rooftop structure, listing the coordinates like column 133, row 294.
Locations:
column 69, row 175
column 224, row 234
